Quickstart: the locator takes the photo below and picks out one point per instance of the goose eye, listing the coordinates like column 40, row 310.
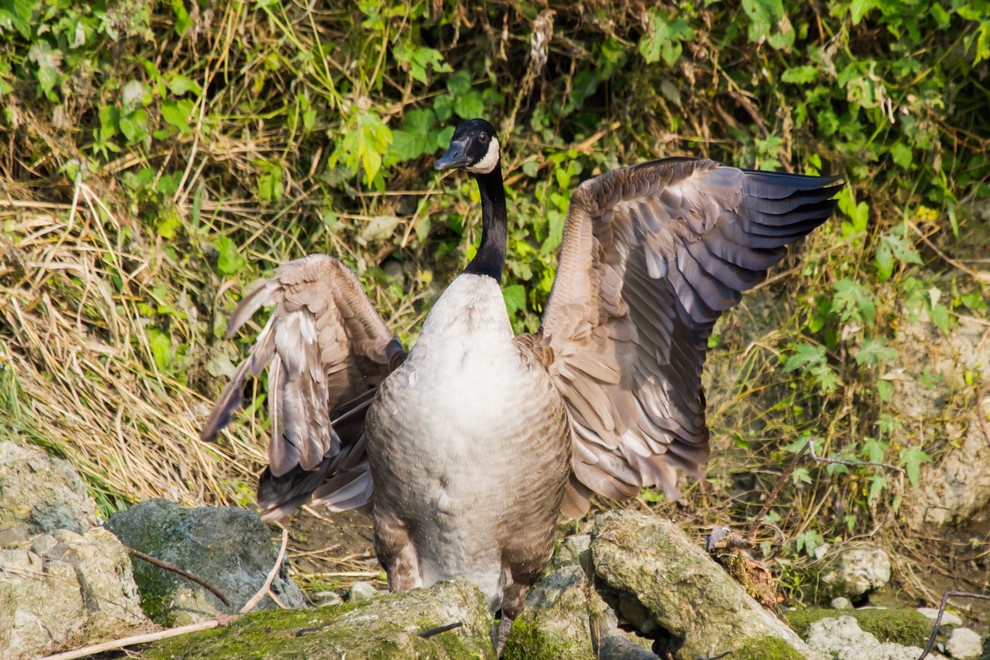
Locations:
column 483, row 137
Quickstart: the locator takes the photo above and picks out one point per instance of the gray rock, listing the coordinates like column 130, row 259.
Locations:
column 40, row 494
column 562, row 611
column 229, row 548
column 948, row 618
column 41, row 605
column 670, row 588
column 389, row 626
column 853, row 570
column 843, row 639
column 841, row 603
column 618, row 647
column 326, row 599
column 958, row 487
column 77, row 590
column 361, row 591
column 103, row 568
column 964, row 644
column 572, row 550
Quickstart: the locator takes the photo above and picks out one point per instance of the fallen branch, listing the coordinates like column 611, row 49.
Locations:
column 941, row 611
column 810, row 448
column 266, row 587
column 223, row 620
column 178, row 571
column 819, row 459
column 116, row 644
column 430, row 632
column 774, row 493
column 981, row 416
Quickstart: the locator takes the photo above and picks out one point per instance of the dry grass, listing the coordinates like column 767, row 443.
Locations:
column 80, row 359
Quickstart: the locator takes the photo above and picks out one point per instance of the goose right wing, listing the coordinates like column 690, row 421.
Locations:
column 651, row 257
column 327, row 351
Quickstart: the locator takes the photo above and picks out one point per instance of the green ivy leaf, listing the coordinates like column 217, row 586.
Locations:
column 161, row 348
column 459, row 84
column 419, row 59
column 180, row 85
column 805, row 357
column 176, row 113
column 885, row 390
column 901, row 155
column 515, row 298
column 134, row 126
column 860, row 8
column 48, row 62
column 877, row 483
column 229, row 260
column 800, row 75
column 415, row 138
column 764, row 15
column 858, row 213
column 363, row 145
column 20, row 13
column 270, row 185
column 874, row 351
column 911, row 459
column 852, row 300
column 469, row 105
column 664, row 37
column 874, row 450
column 893, row 247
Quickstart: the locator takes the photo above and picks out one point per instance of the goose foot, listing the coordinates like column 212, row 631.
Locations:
column 504, row 629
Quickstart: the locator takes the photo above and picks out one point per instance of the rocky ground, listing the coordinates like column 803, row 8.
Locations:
column 636, row 586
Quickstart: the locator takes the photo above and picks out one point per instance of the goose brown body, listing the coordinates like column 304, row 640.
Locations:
column 466, row 449
column 447, row 435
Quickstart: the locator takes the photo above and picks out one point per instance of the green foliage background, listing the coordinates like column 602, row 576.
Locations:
column 224, row 138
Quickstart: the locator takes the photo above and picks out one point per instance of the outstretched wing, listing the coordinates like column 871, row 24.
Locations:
column 651, row 256
column 327, row 350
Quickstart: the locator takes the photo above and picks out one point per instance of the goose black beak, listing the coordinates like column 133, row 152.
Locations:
column 453, row 158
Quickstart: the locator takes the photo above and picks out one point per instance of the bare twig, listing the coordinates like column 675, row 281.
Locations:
column 266, row 587
column 115, row 644
column 949, row 260
column 175, row 632
column 941, row 610
column 810, row 448
column 773, row 494
column 178, row 571
column 981, row 416
column 819, row 459
column 430, row 632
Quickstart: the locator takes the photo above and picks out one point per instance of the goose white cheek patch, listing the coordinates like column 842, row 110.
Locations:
column 489, row 162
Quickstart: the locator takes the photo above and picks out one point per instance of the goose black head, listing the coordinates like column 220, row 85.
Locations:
column 473, row 148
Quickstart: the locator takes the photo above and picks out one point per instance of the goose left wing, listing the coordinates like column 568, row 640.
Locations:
column 327, row 351
column 651, row 256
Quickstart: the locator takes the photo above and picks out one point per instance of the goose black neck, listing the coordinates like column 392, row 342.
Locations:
column 490, row 258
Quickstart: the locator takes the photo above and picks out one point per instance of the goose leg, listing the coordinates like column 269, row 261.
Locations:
column 513, row 599
column 396, row 553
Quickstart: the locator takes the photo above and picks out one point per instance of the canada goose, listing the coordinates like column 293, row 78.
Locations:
column 468, row 447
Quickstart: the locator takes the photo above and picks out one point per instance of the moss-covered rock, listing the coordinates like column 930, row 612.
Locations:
column 667, row 586
column 766, row 648
column 385, row 627
column 900, row 626
column 229, row 548
column 850, row 570
column 40, row 494
column 561, row 612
